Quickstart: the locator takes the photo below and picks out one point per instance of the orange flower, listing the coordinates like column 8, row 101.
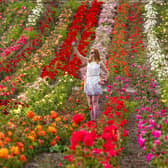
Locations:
column 53, row 114
column 71, row 129
column 74, row 124
column 14, row 150
column 66, row 125
column 36, row 118
column 39, row 127
column 52, row 129
column 31, row 138
column 7, row 139
column 30, row 114
column 41, row 133
column 82, row 83
column 2, row 135
column 1, row 144
column 58, row 119
column 4, row 153
column 20, row 145
column 33, row 133
column 9, row 133
column 22, row 158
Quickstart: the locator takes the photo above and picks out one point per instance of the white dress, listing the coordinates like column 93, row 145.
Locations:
column 91, row 85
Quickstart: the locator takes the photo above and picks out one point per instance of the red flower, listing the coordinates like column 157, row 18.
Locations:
column 88, row 140
column 77, row 118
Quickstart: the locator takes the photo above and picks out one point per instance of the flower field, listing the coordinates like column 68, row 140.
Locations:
column 42, row 103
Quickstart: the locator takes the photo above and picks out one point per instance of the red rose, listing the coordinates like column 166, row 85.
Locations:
column 77, row 118
column 88, row 140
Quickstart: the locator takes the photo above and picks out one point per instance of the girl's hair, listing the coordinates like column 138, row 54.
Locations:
column 96, row 56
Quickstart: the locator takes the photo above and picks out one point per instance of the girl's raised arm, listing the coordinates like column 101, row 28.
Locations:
column 83, row 59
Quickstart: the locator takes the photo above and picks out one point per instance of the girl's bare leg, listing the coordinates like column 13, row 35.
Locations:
column 90, row 104
column 95, row 102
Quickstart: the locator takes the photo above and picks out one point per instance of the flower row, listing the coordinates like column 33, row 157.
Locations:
column 64, row 59
column 157, row 58
column 151, row 116
column 17, row 24
column 106, row 21
column 34, row 16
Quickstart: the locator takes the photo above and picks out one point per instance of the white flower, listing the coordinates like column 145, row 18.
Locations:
column 35, row 14
column 154, row 51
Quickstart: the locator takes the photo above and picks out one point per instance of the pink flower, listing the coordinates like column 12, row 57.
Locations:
column 59, row 164
column 166, row 121
column 106, row 164
column 138, row 117
column 152, row 122
column 141, row 141
column 156, row 133
column 148, row 157
column 96, row 151
column 157, row 142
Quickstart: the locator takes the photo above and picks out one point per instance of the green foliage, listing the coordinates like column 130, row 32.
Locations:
column 56, row 11
column 164, row 92
column 58, row 148
column 14, row 33
column 63, row 33
column 47, row 98
column 73, row 4
column 19, row 4
column 15, row 7
column 161, row 29
column 30, row 34
column 131, row 106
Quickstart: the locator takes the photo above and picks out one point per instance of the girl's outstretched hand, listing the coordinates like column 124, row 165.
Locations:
column 102, row 82
column 73, row 43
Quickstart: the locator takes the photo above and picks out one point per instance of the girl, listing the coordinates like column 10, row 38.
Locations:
column 92, row 82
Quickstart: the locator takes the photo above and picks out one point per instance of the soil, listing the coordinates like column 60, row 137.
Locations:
column 133, row 155
column 45, row 160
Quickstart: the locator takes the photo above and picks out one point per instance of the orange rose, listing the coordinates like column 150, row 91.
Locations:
column 14, row 150
column 4, row 153
column 52, row 129
column 9, row 133
column 1, row 144
column 41, row 133
column 2, row 135
column 39, row 127
column 30, row 114
column 31, row 138
column 58, row 119
column 53, row 114
column 36, row 118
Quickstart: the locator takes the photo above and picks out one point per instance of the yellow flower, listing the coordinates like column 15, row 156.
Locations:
column 163, row 100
